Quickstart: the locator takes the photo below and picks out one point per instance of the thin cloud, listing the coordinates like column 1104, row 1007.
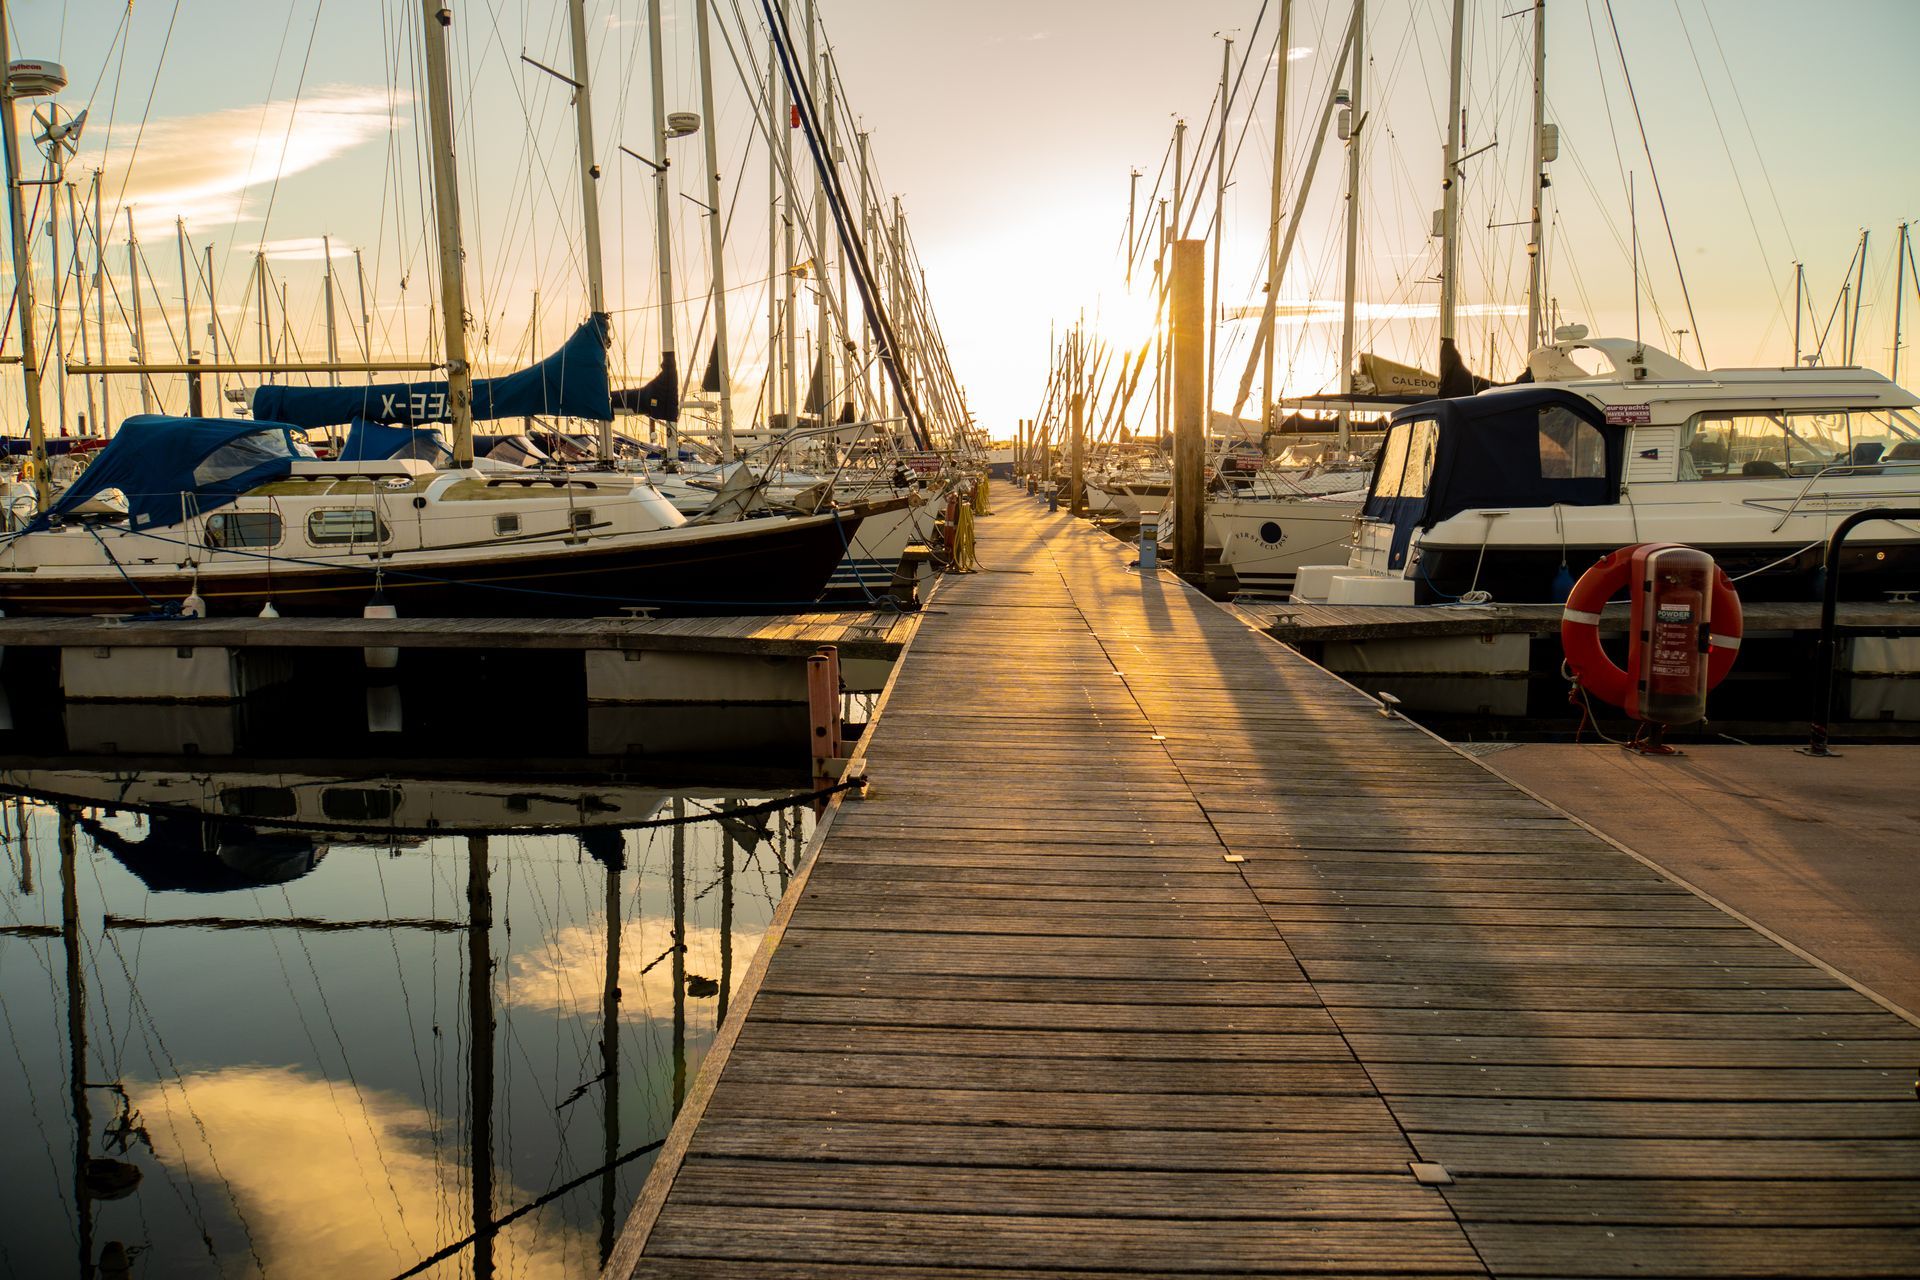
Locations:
column 212, row 169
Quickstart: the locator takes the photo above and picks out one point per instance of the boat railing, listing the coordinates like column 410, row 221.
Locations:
column 1818, row 734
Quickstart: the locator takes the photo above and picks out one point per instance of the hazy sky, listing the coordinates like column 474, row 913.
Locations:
column 1780, row 128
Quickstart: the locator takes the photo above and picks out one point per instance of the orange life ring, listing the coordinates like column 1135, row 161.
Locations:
column 1593, row 670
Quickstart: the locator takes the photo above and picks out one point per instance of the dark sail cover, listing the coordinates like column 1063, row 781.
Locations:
column 1455, row 378
column 659, row 399
column 710, row 380
column 572, row 382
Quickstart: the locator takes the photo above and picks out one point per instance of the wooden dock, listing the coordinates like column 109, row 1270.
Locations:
column 1155, row 949
column 860, row 634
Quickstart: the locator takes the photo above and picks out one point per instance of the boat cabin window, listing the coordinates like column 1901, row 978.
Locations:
column 1407, row 463
column 1774, row 443
column 582, row 520
column 1571, row 448
column 505, row 525
column 332, row 526
column 258, row 802
column 240, row 455
column 243, row 529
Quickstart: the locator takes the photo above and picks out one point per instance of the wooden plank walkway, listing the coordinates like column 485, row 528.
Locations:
column 1156, row 950
column 860, row 633
column 1313, row 622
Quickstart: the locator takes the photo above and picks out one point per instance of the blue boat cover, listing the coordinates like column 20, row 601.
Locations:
column 570, row 382
column 1512, row 447
column 376, row 442
column 171, row 468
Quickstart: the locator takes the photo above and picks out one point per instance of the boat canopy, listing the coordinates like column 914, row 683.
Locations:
column 1515, row 447
column 170, row 468
column 572, row 382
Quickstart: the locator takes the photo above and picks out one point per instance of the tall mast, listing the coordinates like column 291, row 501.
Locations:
column 846, row 341
column 866, row 234
column 1133, row 195
column 1356, row 118
column 213, row 337
column 823, row 320
column 59, row 298
column 1859, row 297
column 100, row 300
column 22, row 279
column 80, row 305
column 790, row 331
column 446, row 204
column 1536, row 246
column 902, row 303
column 1449, row 185
column 1273, row 214
column 716, row 232
column 662, row 211
column 775, row 383
column 1160, row 388
column 333, row 327
column 590, row 182
column 1179, row 156
column 264, row 318
column 1219, row 223
column 139, row 313
column 366, row 316
column 1899, row 289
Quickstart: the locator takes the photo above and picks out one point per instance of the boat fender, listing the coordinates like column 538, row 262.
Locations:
column 1674, row 657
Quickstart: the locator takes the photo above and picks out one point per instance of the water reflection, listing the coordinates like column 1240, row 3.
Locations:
column 332, row 1023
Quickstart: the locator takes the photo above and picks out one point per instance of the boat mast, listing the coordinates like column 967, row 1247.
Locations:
column 774, row 381
column 139, row 313
column 1219, row 218
column 823, row 319
column 1899, row 288
column 789, row 335
column 333, row 328
column 100, row 301
column 80, row 305
column 1160, row 334
column 1536, row 247
column 1273, row 213
column 1133, row 195
column 1449, row 190
column 662, row 211
column 264, row 320
column 22, row 278
column 59, row 297
column 1353, row 215
column 446, row 203
column 716, row 233
column 590, row 185
column 866, row 233
column 1859, row 297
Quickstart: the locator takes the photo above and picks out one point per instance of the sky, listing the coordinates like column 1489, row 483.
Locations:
column 1778, row 130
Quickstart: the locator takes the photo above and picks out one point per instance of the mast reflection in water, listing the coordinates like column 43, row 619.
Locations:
column 298, row 1024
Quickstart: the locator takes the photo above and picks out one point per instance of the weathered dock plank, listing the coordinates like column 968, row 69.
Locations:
column 1154, row 949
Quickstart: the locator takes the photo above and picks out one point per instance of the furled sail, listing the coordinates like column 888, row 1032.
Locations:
column 658, row 399
column 572, row 382
column 1379, row 376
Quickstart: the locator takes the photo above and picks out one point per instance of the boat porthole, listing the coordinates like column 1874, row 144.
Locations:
column 1270, row 533
column 419, row 503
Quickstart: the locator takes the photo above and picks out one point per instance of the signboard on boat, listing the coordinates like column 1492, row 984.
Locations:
column 1629, row 415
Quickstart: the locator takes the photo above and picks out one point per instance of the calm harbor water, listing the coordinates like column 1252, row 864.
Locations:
column 372, row 1015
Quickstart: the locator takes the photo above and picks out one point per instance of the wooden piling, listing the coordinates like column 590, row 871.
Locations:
column 1189, row 408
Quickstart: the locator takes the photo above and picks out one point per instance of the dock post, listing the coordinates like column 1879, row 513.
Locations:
column 823, row 709
column 1076, row 462
column 1188, row 311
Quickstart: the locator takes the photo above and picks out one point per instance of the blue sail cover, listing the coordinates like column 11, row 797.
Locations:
column 170, row 468
column 377, row 442
column 571, row 382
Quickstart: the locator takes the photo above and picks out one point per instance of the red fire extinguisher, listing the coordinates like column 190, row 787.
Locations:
column 1683, row 631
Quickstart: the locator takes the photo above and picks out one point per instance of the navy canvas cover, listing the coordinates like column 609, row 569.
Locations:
column 1486, row 453
column 171, row 468
column 572, row 382
column 377, row 442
